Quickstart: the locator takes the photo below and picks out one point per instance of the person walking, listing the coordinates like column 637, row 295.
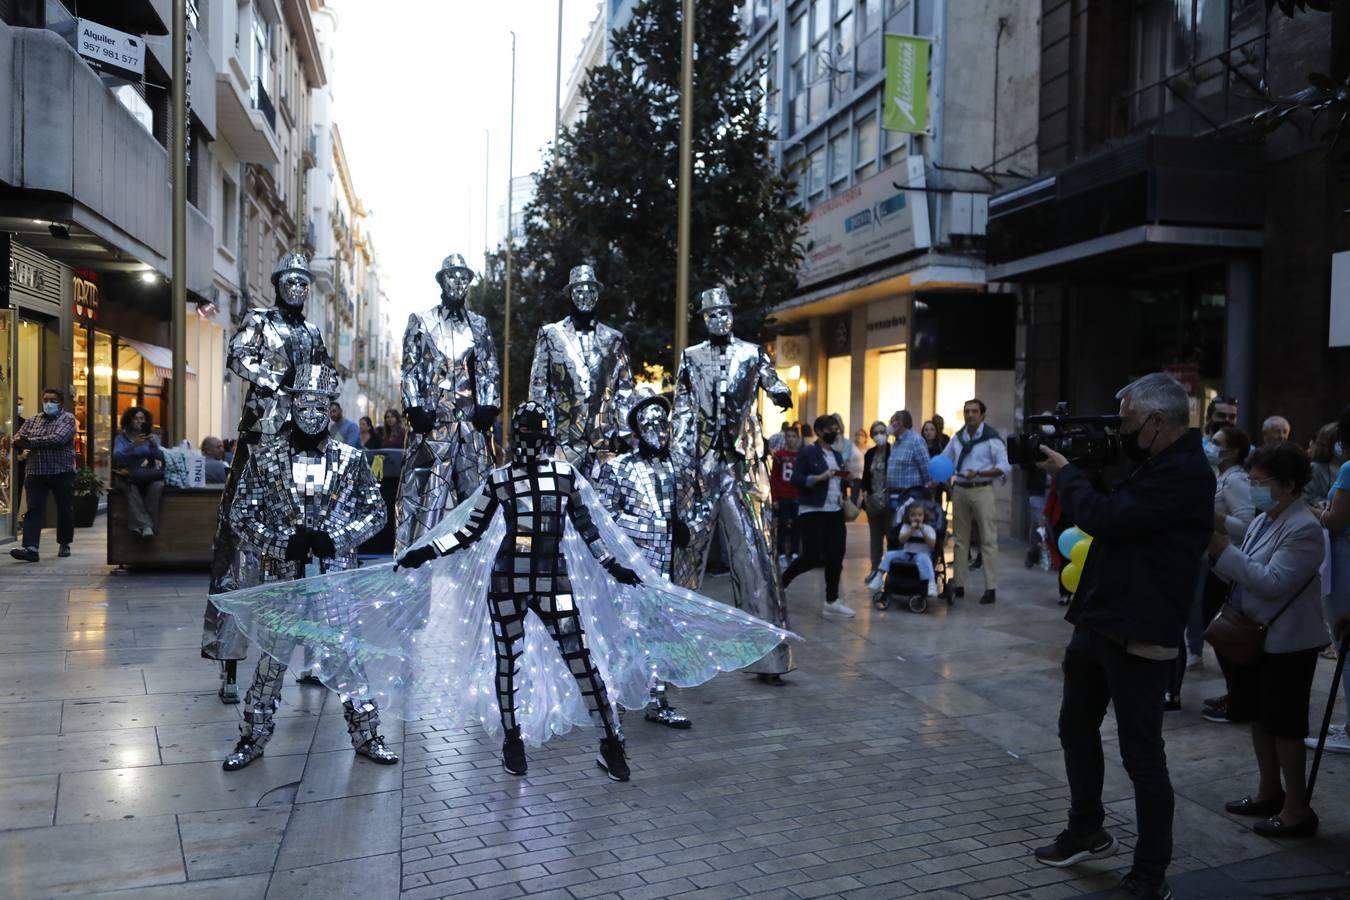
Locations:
column 875, row 499
column 1274, row 581
column 49, row 439
column 979, row 458
column 820, row 477
column 138, row 467
column 1133, row 597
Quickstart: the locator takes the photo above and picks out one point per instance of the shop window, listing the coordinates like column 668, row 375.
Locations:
column 892, row 369
column 839, row 388
column 954, row 388
column 100, row 419
column 8, row 425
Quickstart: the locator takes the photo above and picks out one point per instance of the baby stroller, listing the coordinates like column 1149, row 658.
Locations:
column 903, row 582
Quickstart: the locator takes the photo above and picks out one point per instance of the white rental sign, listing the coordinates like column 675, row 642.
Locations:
column 106, row 49
column 871, row 221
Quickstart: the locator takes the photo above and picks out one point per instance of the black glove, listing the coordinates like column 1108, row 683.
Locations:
column 680, row 532
column 321, row 545
column 621, row 573
column 416, row 557
column 484, row 416
column 782, row 401
column 297, row 548
column 421, row 419
column 21, row 443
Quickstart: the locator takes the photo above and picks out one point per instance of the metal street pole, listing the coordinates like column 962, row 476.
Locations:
column 557, row 85
column 685, row 184
column 178, row 253
column 510, row 239
column 487, row 183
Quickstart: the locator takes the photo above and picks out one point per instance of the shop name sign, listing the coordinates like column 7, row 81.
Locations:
column 106, row 49
column 86, row 295
column 872, row 221
column 26, row 275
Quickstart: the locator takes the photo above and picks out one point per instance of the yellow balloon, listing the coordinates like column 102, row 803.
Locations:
column 1072, row 572
column 1080, row 552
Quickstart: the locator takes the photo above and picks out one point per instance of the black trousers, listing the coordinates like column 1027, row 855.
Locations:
column 1097, row 672
column 823, row 539
column 62, row 488
column 789, row 541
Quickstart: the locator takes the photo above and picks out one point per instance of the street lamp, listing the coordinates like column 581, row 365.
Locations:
column 178, row 250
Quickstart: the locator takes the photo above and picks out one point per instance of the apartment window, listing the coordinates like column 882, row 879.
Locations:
column 839, row 160
column 865, row 145
column 130, row 98
column 227, row 223
column 868, row 57
column 815, row 176
column 769, row 97
column 894, row 147
column 260, row 42
column 842, row 53
column 818, row 94
column 792, row 161
column 797, row 73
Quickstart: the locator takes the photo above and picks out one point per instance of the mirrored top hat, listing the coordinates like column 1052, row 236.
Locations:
column 714, row 298
column 314, row 379
column 644, row 395
column 453, row 262
column 582, row 274
column 294, row 261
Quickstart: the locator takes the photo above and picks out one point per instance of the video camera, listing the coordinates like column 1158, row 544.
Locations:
column 1092, row 442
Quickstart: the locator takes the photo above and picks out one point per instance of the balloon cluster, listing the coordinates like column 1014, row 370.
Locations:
column 1074, row 545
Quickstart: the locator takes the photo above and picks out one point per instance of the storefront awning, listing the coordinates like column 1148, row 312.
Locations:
column 159, row 357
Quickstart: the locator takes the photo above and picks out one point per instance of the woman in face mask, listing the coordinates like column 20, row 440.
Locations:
column 875, row 498
column 1274, row 578
column 1327, row 455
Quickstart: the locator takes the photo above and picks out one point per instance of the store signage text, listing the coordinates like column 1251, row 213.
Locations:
column 27, row 275
column 906, row 91
column 106, row 49
column 86, row 295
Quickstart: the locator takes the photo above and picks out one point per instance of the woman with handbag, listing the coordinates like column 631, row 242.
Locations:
column 138, row 469
column 820, row 477
column 1272, row 628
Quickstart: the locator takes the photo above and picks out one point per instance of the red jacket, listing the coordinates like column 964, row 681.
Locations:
column 780, row 482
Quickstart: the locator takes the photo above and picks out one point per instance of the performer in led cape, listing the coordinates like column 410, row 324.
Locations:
column 581, row 376
column 269, row 346
column 638, row 490
column 451, row 398
column 305, row 503
column 425, row 642
column 718, row 453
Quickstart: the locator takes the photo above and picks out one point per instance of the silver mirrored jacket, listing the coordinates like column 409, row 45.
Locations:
column 582, row 378
column 639, row 493
column 449, row 364
column 264, row 349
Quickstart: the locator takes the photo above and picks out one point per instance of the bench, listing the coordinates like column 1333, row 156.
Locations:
column 187, row 527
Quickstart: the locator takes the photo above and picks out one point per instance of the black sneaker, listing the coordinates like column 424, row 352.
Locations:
column 611, row 759
column 1220, row 713
column 1136, row 885
column 1070, row 849
column 988, row 598
column 513, row 753
column 64, row 551
column 1216, row 701
column 27, row 554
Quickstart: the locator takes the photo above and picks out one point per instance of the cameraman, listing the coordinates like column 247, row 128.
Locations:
column 1128, row 613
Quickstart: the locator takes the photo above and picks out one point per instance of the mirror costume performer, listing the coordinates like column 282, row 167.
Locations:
column 451, row 397
column 581, row 375
column 450, row 638
column 638, row 490
column 270, row 345
column 718, row 448
column 306, row 502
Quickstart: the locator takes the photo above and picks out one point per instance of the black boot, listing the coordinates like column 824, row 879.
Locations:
column 611, row 759
column 513, row 753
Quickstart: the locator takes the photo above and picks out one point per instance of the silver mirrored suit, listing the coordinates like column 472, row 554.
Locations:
column 450, row 379
column 268, row 347
column 303, row 504
column 718, row 448
column 581, row 375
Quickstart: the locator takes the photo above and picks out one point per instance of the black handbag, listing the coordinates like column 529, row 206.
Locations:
column 1239, row 638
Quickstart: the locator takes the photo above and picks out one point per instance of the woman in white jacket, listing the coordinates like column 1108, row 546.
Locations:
column 1274, row 578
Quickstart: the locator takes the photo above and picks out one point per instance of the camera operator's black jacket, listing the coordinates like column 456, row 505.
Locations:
column 1148, row 543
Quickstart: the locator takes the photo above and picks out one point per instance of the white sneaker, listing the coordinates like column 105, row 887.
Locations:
column 837, row 610
column 876, row 582
column 932, row 589
column 1337, row 740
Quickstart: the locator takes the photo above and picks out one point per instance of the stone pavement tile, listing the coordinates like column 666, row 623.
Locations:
column 151, row 710
column 372, row 876
column 1213, row 837
column 135, row 657
column 71, row 684
column 94, row 638
column 26, row 719
column 170, row 636
column 162, row 790
column 232, row 841
column 28, row 801
column 348, row 828
column 48, row 662
column 244, row 887
column 209, row 741
column 80, row 859
column 177, row 679
column 49, row 754
column 342, row 773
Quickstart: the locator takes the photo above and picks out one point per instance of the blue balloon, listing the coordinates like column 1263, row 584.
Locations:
column 1070, row 537
column 940, row 469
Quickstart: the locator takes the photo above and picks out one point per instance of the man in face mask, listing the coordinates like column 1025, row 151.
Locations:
column 305, row 503
column 47, row 444
column 1129, row 611
column 266, row 351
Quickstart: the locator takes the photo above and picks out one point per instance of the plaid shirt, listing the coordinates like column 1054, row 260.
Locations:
column 51, row 443
column 907, row 465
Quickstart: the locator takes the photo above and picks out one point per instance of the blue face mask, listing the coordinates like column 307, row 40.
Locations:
column 1339, row 449
column 51, row 409
column 1211, row 453
column 1262, row 499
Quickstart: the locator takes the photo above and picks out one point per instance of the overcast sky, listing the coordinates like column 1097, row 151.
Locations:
column 416, row 83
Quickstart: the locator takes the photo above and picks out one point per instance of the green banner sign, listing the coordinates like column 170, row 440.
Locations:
column 906, row 84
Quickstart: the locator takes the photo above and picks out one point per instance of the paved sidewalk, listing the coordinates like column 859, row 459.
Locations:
column 909, row 754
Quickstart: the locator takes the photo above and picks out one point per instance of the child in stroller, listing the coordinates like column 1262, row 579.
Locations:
column 908, row 571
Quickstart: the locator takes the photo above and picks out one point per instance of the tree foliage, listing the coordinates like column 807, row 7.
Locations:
column 608, row 194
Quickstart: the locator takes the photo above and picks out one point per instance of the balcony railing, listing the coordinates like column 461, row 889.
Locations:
column 263, row 103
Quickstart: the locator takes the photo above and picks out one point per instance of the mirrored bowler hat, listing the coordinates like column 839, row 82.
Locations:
column 294, row 261
column 582, row 274
column 314, row 379
column 714, row 298
column 451, row 263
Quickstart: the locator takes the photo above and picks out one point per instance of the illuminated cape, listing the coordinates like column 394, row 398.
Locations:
column 418, row 641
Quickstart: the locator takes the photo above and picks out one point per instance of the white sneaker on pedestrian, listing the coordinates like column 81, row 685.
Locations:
column 1193, row 660
column 932, row 589
column 876, row 582
column 837, row 610
column 1338, row 741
